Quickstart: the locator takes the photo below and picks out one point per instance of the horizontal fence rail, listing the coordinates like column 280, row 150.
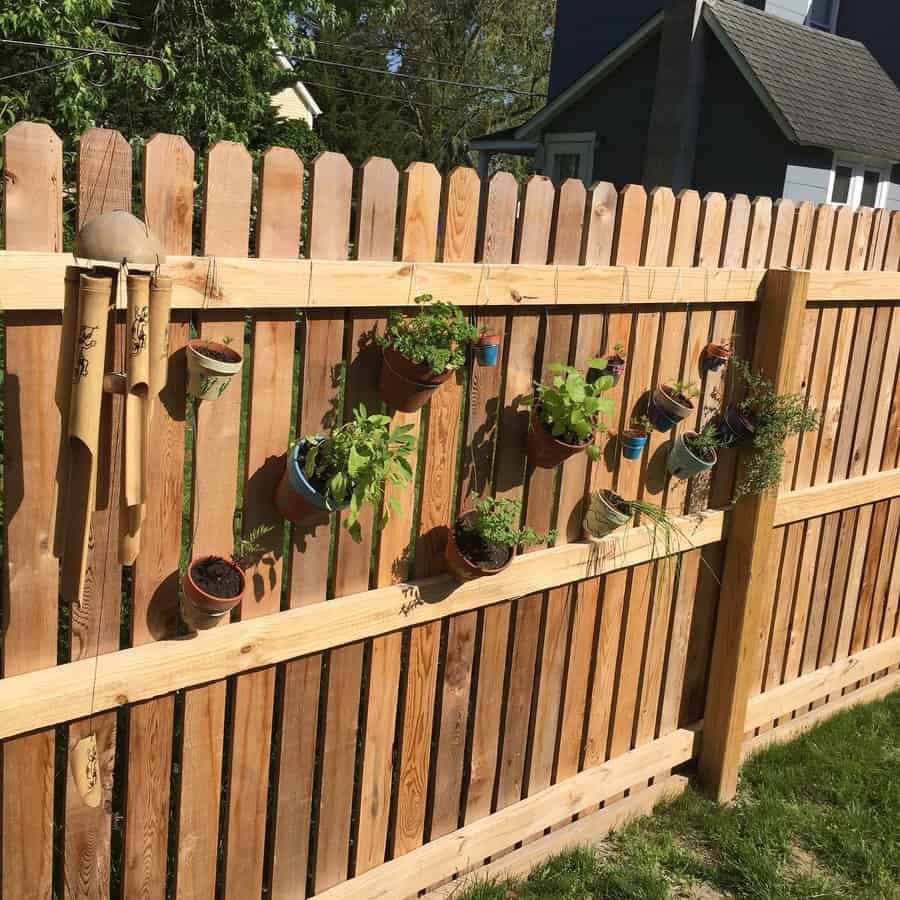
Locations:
column 363, row 725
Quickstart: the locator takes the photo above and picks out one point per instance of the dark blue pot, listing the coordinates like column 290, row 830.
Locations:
column 633, row 445
column 660, row 420
column 487, row 353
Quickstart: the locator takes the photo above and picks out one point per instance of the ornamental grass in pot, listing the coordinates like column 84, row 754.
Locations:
column 421, row 351
column 567, row 414
column 211, row 366
column 483, row 540
column 776, row 417
column 670, row 404
column 213, row 585
column 346, row 470
column 693, row 452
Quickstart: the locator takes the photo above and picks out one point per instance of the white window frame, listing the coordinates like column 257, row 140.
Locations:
column 858, row 165
column 567, row 142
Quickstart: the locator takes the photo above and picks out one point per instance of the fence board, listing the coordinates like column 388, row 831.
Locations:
column 216, row 435
column 32, row 209
column 599, row 229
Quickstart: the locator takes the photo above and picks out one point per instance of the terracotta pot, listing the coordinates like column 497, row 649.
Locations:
column 295, row 497
column 602, row 518
column 207, row 377
column 404, row 385
column 682, row 462
column 715, row 356
column 460, row 567
column 735, row 427
column 201, row 610
column 633, row 443
column 664, row 411
column 546, row 452
column 487, row 349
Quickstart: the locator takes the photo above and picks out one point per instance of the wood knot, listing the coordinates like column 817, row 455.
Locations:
column 246, row 648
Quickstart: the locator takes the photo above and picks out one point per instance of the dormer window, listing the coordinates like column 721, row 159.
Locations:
column 823, row 14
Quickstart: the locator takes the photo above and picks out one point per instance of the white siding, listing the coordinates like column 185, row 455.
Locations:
column 893, row 196
column 289, row 106
column 793, row 10
column 806, row 183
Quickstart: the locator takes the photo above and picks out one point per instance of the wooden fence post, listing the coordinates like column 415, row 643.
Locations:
column 739, row 637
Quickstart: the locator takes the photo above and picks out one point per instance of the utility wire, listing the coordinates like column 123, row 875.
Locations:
column 465, row 84
column 54, row 65
column 332, row 87
column 83, row 50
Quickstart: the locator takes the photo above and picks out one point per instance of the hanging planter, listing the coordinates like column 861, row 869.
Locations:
column 716, row 356
column 487, row 349
column 482, row 541
column 635, row 438
column 607, row 511
column 670, row 404
column 735, row 426
column 212, row 587
column 420, row 352
column 566, row 415
column 692, row 453
column 211, row 366
column 615, row 364
column 346, row 470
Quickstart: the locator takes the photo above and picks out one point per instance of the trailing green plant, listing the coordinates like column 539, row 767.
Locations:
column 436, row 335
column 571, row 408
column 777, row 417
column 497, row 522
column 353, row 463
column 248, row 549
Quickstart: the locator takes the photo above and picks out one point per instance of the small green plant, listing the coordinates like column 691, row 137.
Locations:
column 437, row 334
column 247, row 550
column 354, row 462
column 705, row 442
column 641, row 424
column 777, row 417
column 619, row 350
column 687, row 389
column 571, row 408
column 227, row 339
column 497, row 522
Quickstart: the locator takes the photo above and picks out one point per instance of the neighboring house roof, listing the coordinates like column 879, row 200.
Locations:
column 295, row 101
column 823, row 90
column 501, row 141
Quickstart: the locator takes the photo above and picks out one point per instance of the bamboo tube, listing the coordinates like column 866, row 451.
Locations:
column 94, row 298
column 137, row 416
column 160, row 313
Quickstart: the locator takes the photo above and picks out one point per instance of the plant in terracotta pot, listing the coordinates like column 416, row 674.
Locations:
column 213, row 585
column 211, row 366
column 694, row 452
column 567, row 414
column 716, row 356
column 421, row 351
column 670, row 403
column 635, row 438
column 487, row 348
column 775, row 417
column 346, row 470
column 483, row 540
column 616, row 363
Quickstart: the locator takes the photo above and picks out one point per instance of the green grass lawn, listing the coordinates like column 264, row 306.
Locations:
column 816, row 818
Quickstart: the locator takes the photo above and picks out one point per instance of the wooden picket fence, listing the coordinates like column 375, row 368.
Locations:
column 368, row 728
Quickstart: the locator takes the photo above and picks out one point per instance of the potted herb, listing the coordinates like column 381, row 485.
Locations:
column 715, row 356
column 775, row 417
column 615, row 363
column 670, row 403
column 211, row 366
column 487, row 348
column 346, row 469
column 213, row 585
column 735, row 426
column 483, row 540
column 421, row 351
column 693, row 452
column 566, row 414
column 635, row 438
column 606, row 512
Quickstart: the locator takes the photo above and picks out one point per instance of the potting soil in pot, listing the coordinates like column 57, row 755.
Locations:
column 706, row 454
column 476, row 549
column 217, row 578
column 226, row 356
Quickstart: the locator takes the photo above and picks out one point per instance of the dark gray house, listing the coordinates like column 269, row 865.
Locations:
column 723, row 95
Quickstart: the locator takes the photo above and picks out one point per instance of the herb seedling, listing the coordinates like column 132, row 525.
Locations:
column 497, row 522
column 248, row 550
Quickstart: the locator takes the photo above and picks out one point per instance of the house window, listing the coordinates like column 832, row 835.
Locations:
column 569, row 155
column 823, row 14
column 859, row 184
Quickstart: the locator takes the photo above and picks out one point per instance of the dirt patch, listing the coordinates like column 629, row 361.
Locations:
column 801, row 862
column 698, row 891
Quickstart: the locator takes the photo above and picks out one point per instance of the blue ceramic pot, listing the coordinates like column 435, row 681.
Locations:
column 633, row 443
column 487, row 350
column 296, row 498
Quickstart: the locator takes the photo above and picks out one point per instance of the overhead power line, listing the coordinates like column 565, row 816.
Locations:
column 333, row 87
column 463, row 84
column 83, row 50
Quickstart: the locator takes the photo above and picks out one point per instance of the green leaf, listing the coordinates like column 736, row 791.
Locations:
column 555, row 367
column 598, row 362
column 395, row 506
column 593, row 452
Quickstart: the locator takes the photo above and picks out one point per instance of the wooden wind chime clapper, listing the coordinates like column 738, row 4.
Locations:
column 116, row 243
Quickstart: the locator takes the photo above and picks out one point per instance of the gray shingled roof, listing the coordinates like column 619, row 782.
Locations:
column 830, row 90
